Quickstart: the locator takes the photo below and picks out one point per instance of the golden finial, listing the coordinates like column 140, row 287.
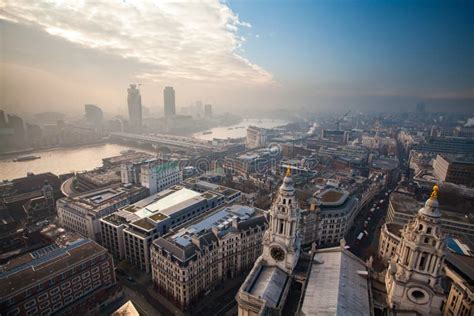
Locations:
column 434, row 194
column 288, row 171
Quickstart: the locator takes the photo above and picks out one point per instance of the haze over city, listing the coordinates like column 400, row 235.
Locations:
column 237, row 55
column 237, row 158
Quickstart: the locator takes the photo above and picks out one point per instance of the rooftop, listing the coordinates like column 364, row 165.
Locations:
column 459, row 159
column 158, row 207
column 102, row 198
column 220, row 220
column 117, row 160
column 35, row 266
column 331, row 196
column 385, row 163
column 337, row 285
column 207, row 228
column 269, row 284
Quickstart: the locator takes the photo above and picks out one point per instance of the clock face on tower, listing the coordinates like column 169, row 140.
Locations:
column 277, row 253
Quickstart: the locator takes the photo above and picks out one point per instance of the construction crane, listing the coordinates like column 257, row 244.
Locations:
column 338, row 122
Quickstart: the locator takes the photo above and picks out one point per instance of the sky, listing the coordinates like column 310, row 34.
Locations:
column 241, row 56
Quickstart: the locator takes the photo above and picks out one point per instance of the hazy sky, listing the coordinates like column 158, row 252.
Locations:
column 237, row 55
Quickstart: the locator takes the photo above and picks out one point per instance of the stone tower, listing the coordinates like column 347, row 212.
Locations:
column 414, row 274
column 281, row 243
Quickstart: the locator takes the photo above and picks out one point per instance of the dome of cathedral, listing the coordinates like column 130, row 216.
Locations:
column 431, row 207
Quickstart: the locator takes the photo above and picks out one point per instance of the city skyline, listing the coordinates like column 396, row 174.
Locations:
column 238, row 54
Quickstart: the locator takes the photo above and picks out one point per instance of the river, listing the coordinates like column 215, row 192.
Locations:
column 60, row 160
column 65, row 160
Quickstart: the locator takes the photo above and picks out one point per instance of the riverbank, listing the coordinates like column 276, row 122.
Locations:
column 63, row 160
column 43, row 149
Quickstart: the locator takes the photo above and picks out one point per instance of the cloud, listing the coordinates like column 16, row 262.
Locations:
column 190, row 40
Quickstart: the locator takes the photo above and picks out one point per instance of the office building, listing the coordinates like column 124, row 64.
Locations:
column 447, row 145
column 459, row 270
column 456, row 169
column 81, row 213
column 466, row 130
column 134, row 101
column 340, row 137
column 337, row 210
column 212, row 249
column 94, row 115
column 130, row 155
column 200, row 185
column 252, row 161
column 402, row 209
column 169, row 102
column 130, row 171
column 387, row 167
column 73, row 275
column 256, row 137
column 129, row 232
column 16, row 123
column 160, row 175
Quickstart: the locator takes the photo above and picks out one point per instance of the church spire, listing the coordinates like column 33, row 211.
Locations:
column 413, row 279
column 281, row 244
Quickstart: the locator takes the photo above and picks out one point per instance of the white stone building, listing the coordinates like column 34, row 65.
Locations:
column 337, row 210
column 413, row 277
column 160, row 175
column 215, row 247
column 256, row 137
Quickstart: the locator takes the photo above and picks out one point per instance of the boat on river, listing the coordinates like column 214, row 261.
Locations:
column 26, row 158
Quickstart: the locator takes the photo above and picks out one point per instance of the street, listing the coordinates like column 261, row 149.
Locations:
column 367, row 246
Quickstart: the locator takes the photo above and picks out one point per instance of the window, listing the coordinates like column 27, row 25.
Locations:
column 30, row 304
column 42, row 297
column 14, row 312
column 423, row 262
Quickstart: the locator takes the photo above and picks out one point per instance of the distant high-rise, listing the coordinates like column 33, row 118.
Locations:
column 3, row 122
column 420, row 108
column 16, row 123
column 208, row 110
column 134, row 107
column 94, row 114
column 169, row 101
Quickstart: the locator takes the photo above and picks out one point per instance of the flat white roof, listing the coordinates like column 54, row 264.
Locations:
column 168, row 201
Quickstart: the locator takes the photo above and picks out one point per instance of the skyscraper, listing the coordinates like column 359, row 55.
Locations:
column 134, row 107
column 16, row 123
column 3, row 122
column 169, row 102
column 208, row 110
column 94, row 115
